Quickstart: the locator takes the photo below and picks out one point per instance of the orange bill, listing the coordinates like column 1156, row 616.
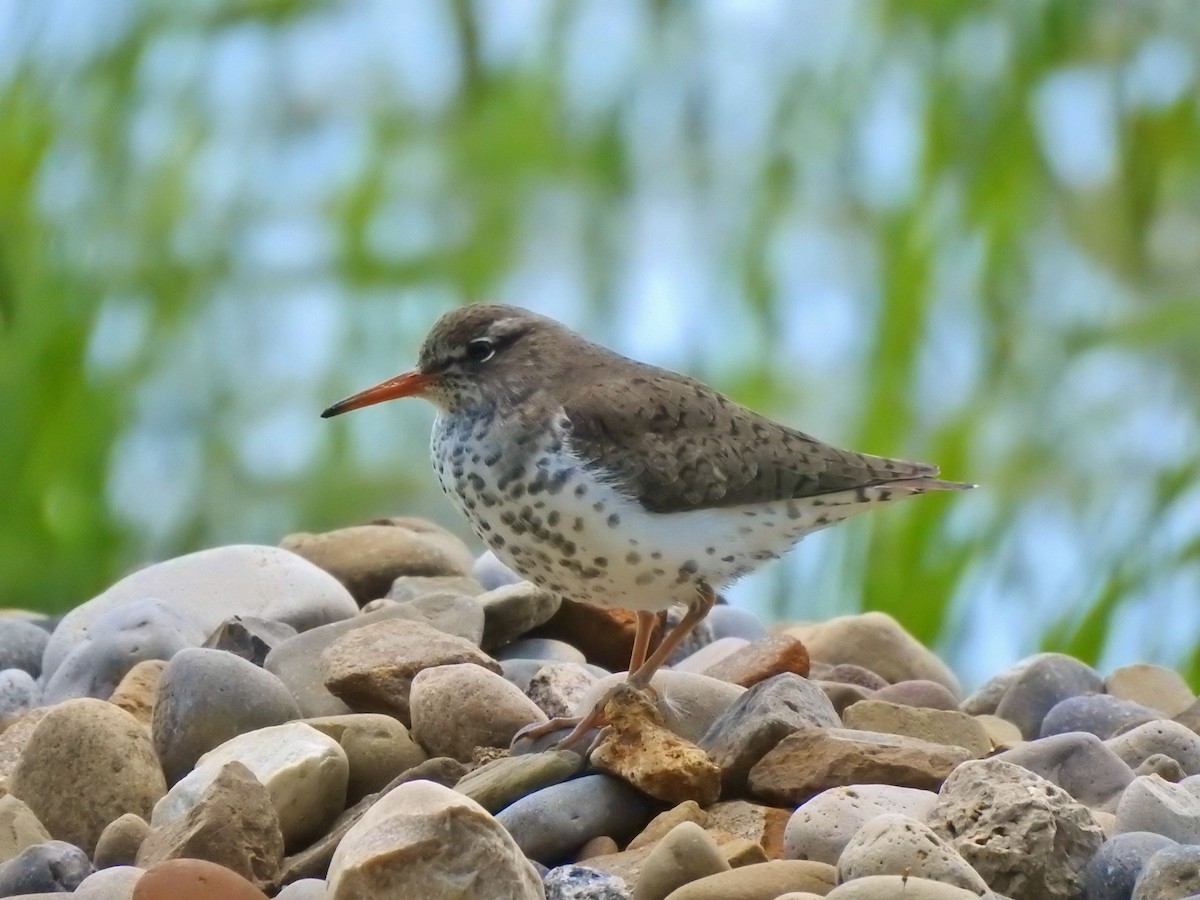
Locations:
column 409, row 384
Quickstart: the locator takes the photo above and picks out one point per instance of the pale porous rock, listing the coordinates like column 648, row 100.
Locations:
column 581, row 883
column 820, row 829
column 373, row 668
column 249, row 637
column 762, row 659
column 211, row 585
column 305, row 773
column 894, row 844
column 1164, row 737
column 204, row 698
column 194, row 879
column 684, row 854
column 512, row 610
column 232, row 824
column 120, row 841
column 503, row 781
column 1043, row 684
column 939, row 726
column 53, row 868
column 368, row 558
column 424, row 840
column 760, row 718
column 897, row 887
column 1155, row 686
column 811, row 760
column 558, row 688
column 457, row 708
column 85, row 763
column 689, row 703
column 764, row 825
column 1152, row 804
column 19, row 827
column 637, row 748
column 1079, row 763
column 1025, row 835
column 378, row 748
column 878, row 642
column 1171, row 873
column 763, row 881
column 710, row 654
column 138, row 691
column 116, row 883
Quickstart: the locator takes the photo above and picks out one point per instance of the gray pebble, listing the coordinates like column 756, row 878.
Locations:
column 410, row 587
column 1151, row 804
column 1077, row 762
column 1164, row 737
column 19, row 692
column 546, row 649
column 1170, row 873
column 1098, row 714
column 491, row 573
column 1113, row 871
column 582, row 883
column 1041, row 686
column 512, row 610
column 54, row 866
column 249, row 637
column 304, row 889
column 733, row 621
column 205, row 697
column 22, row 644
column 553, row 823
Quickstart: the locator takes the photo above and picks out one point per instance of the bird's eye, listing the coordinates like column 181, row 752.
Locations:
column 480, row 350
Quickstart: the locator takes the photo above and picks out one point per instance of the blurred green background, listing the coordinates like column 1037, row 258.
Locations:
column 962, row 232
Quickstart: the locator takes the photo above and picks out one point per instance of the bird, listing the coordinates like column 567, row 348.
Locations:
column 618, row 483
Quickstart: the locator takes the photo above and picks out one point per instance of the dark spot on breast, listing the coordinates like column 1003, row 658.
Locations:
column 552, row 518
column 614, row 520
column 633, row 558
column 601, row 561
column 580, row 489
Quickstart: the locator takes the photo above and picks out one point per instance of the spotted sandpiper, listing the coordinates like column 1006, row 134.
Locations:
column 617, row 483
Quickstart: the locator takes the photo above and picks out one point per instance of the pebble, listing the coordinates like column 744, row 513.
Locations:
column 689, row 703
column 895, row 844
column 710, row 654
column 51, row 867
column 604, row 635
column 491, row 573
column 233, row 824
column 368, row 558
column 1079, row 763
column 304, row 889
column 1003, row 734
column 850, row 674
column 512, row 610
column 660, row 825
column 684, row 854
column 1097, row 714
column 211, row 585
column 733, row 621
column 547, row 649
column 597, row 846
column 194, row 879
column 940, row 726
column 22, row 644
column 305, row 773
column 1164, row 737
column 559, row 688
column 1113, row 871
column 843, row 695
column 551, row 824
column 1152, row 804
column 138, row 691
column 1154, row 686
column 425, row 840
column 764, row 825
column 897, row 887
column 917, row 692
column 19, row 693
column 762, row 659
column 120, row 841
column 811, row 760
column 820, row 829
column 19, row 827
column 204, row 698
column 457, row 708
column 760, row 718
column 84, row 764
column 377, row 747
column 763, row 881
column 581, row 883
column 249, row 637
column 116, row 883
column 878, row 642
column 503, row 781
column 373, row 668
column 1170, row 873
column 1045, row 682
column 407, row 588
column 1025, row 835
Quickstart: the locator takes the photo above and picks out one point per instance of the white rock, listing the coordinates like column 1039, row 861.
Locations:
column 820, row 829
column 304, row 771
column 115, row 883
column 897, row 887
column 1152, row 804
column 428, row 841
column 894, row 844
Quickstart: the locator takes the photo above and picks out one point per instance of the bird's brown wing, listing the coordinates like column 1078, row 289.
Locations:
column 676, row 444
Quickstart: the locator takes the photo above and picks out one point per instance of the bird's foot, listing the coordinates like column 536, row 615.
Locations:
column 582, row 726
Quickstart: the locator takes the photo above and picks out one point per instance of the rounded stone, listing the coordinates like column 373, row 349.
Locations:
column 1151, row 804
column 582, row 883
column 684, row 854
column 86, row 763
column 193, row 879
column 558, row 688
column 1154, row 686
column 821, row 828
column 733, row 621
column 1164, row 737
column 52, row 867
column 205, row 697
column 503, row 781
column 120, row 841
column 22, row 644
column 894, row 844
column 511, row 610
column 378, row 748
column 19, row 693
column 900, row 887
column 1042, row 685
column 138, row 690
column 551, row 824
column 491, row 573
column 116, row 883
column 761, row 881
column 1171, row 873
column 19, row 827
column 541, row 648
column 304, row 889
column 1079, row 763
column 424, row 840
column 1113, row 871
column 1097, row 714
column 919, row 693
column 457, row 708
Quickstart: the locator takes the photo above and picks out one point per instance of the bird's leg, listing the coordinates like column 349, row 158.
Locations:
column 706, row 598
column 641, row 638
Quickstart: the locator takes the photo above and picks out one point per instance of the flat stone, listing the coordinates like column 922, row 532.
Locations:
column 503, row 781
column 894, row 887
column 210, row 586
column 116, row 883
column 689, row 703
column 764, row 825
column 1113, row 871
column 1151, row 804
column 512, row 610
column 878, row 642
column 820, row 829
column 138, row 691
column 1042, row 685
column 205, row 697
column 249, row 637
column 368, row 558
column 918, row 692
column 232, row 824
column 939, row 726
column 1165, row 737
column 604, row 635
column 194, row 879
column 52, row 867
column 1077, row 762
column 765, row 658
column 733, row 621
column 1025, row 835
column 764, row 881
column 986, row 698
column 304, row 771
column 1097, row 714
column 551, row 824
column 685, row 854
column 558, row 688
column 1154, row 686
column 457, row 708
column 120, row 841
column 19, row 693
column 85, row 763
column 895, row 844
column 377, row 747
column 811, row 760
column 660, row 825
column 582, row 883
column 373, row 668
column 1170, row 873
column 22, row 644
column 19, row 828
column 425, row 840
column 759, row 719
column 638, row 749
